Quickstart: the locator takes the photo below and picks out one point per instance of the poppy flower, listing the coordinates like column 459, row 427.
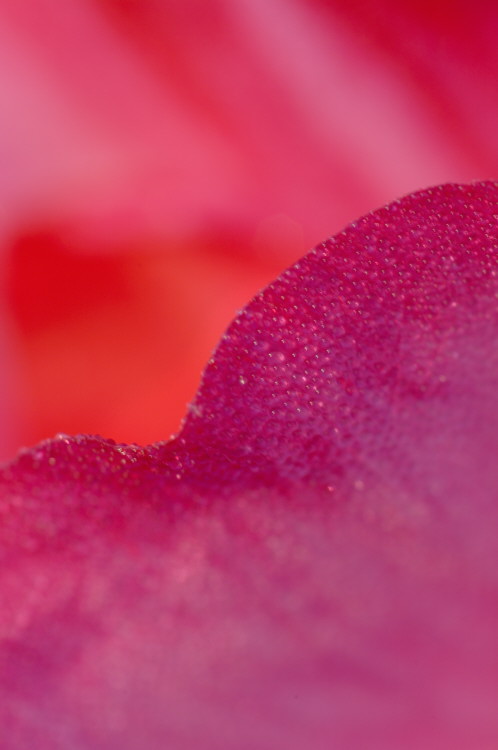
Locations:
column 311, row 562
column 161, row 161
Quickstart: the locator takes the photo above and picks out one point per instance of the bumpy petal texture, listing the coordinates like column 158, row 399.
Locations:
column 312, row 562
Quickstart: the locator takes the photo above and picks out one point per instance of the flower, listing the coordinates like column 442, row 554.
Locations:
column 311, row 562
column 161, row 161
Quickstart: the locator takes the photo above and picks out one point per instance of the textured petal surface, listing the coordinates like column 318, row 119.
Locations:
column 312, row 561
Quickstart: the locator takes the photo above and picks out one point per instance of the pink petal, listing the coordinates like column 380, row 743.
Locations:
column 312, row 562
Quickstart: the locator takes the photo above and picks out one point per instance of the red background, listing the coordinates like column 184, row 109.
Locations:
column 160, row 161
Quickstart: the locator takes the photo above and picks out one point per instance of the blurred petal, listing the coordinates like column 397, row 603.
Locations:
column 216, row 141
column 311, row 562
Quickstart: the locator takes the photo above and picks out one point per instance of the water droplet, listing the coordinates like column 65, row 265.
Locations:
column 279, row 356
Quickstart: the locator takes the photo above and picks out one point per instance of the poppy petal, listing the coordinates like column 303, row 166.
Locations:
column 312, row 561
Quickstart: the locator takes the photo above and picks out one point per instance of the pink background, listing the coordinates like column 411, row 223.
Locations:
column 162, row 160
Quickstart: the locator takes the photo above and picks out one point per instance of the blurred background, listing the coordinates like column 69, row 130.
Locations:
column 162, row 160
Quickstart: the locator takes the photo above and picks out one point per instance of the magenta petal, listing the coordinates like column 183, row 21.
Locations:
column 312, row 563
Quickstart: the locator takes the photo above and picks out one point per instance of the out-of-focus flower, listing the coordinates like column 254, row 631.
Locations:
column 311, row 563
column 160, row 161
